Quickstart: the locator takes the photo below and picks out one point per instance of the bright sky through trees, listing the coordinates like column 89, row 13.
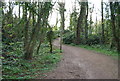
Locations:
column 69, row 6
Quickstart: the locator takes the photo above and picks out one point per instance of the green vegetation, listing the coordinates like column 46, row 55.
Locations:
column 69, row 37
column 93, row 43
column 16, row 68
column 27, row 34
column 100, row 49
column 102, row 35
column 27, row 37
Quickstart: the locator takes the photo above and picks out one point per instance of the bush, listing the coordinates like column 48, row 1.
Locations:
column 93, row 39
column 56, row 34
column 66, row 31
column 14, row 67
column 68, row 38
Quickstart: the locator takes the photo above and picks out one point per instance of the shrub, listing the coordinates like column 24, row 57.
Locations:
column 93, row 39
column 68, row 38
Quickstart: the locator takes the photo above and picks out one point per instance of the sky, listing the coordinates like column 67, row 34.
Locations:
column 69, row 5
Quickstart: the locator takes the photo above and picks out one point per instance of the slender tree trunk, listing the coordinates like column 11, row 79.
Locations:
column 27, row 53
column 103, row 37
column 62, row 16
column 90, row 30
column 86, row 24
column 19, row 10
column 1, row 51
column 96, row 25
column 63, row 21
column 61, row 9
column 50, row 46
column 61, row 41
column 38, row 47
column 33, row 16
column 78, row 31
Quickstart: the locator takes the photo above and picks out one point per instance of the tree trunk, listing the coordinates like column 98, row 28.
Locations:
column 103, row 37
column 38, row 48
column 86, row 24
column 114, row 27
column 79, row 23
column 27, row 55
column 96, row 25
column 90, row 28
column 50, row 46
column 61, row 10
column 19, row 10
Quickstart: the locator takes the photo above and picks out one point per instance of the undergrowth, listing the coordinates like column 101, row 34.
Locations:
column 104, row 49
column 14, row 67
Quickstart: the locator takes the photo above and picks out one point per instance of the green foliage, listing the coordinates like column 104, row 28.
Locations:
column 56, row 34
column 14, row 67
column 73, row 20
column 9, row 25
column 47, row 58
column 68, row 38
column 102, row 49
column 50, row 35
column 93, row 39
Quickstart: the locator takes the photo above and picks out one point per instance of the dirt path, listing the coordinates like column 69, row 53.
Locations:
column 79, row 63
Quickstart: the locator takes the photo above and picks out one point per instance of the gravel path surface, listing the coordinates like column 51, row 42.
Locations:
column 79, row 63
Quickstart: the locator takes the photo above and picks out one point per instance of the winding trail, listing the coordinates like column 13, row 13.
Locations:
column 79, row 63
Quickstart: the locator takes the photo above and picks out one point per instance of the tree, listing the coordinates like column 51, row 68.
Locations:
column 61, row 10
column 28, row 55
column 19, row 10
column 103, row 36
column 32, row 36
column 73, row 18
column 0, row 29
column 96, row 24
column 86, row 23
column 113, row 9
column 79, row 22
column 91, row 22
column 50, row 36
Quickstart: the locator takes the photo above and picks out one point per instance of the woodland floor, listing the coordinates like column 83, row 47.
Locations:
column 79, row 63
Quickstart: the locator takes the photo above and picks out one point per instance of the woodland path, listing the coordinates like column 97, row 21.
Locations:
column 79, row 63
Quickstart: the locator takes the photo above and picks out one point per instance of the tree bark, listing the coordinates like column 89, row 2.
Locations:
column 50, row 45
column 103, row 36
column 86, row 24
column 117, row 40
column 27, row 53
column 79, row 23
column 61, row 10
column 19, row 10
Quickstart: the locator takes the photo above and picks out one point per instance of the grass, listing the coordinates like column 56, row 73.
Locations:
column 100, row 49
column 17, row 68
